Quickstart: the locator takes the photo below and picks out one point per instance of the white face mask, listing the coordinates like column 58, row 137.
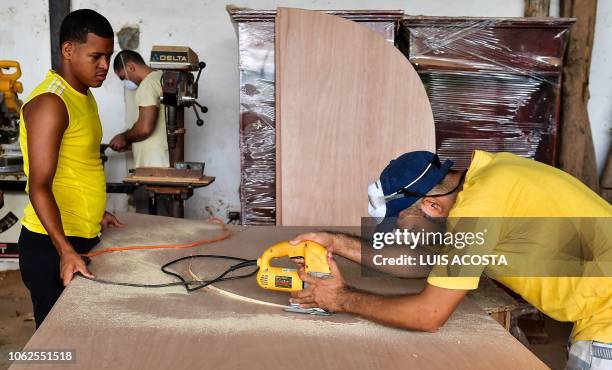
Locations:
column 129, row 85
column 377, row 206
column 377, row 201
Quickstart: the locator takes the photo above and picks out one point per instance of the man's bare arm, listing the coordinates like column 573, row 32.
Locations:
column 144, row 126
column 345, row 245
column 46, row 119
column 142, row 129
column 426, row 311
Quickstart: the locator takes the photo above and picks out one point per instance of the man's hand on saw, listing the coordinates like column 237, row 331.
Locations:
column 344, row 245
column 324, row 238
column 328, row 294
column 109, row 220
column 328, row 240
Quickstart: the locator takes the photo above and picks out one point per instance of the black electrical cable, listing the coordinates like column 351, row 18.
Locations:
column 197, row 284
column 242, row 264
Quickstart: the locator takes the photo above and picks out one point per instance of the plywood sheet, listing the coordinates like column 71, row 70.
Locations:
column 170, row 181
column 347, row 103
column 113, row 327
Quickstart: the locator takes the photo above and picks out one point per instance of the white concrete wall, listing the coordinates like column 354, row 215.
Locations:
column 24, row 37
column 600, row 83
column 206, row 27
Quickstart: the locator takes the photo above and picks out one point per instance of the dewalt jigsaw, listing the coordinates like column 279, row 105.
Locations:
column 314, row 258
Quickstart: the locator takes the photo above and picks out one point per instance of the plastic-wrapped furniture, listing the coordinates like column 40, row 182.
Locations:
column 255, row 30
column 493, row 83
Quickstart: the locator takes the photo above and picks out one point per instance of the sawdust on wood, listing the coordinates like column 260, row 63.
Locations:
column 108, row 306
column 144, row 268
column 128, row 307
column 232, row 295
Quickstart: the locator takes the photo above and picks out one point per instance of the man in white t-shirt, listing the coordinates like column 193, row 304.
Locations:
column 148, row 134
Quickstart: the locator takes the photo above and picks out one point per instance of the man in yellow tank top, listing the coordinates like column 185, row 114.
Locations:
column 60, row 135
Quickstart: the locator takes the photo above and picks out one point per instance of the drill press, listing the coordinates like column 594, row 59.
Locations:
column 179, row 91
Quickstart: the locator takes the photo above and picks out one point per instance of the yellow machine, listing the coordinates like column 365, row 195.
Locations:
column 9, row 86
column 9, row 101
column 11, row 161
column 287, row 279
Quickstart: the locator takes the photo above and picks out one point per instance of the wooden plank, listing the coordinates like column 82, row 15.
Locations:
column 203, row 181
column 503, row 318
column 492, row 298
column 113, row 327
column 239, row 14
column 606, row 175
column 494, row 301
column 195, row 174
column 577, row 153
column 58, row 10
column 166, row 172
column 606, row 178
column 537, row 8
column 347, row 104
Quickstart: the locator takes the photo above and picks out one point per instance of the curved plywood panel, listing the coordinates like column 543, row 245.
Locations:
column 347, row 103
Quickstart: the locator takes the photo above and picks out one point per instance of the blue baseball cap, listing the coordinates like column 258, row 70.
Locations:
column 405, row 180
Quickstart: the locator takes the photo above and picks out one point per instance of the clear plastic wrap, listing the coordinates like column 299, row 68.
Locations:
column 257, row 123
column 494, row 84
column 255, row 29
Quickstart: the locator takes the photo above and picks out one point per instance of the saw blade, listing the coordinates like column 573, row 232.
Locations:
column 307, row 311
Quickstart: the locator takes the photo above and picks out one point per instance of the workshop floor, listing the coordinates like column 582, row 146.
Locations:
column 16, row 320
column 17, row 325
column 553, row 353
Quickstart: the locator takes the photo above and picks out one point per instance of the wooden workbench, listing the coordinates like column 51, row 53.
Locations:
column 113, row 327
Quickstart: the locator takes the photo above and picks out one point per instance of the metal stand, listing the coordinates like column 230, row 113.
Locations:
column 178, row 196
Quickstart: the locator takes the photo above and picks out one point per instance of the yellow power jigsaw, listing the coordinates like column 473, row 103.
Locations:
column 314, row 257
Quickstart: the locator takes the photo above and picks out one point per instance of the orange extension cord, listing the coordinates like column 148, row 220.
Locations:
column 226, row 234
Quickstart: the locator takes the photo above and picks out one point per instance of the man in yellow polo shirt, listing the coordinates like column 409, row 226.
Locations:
column 502, row 186
column 60, row 135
